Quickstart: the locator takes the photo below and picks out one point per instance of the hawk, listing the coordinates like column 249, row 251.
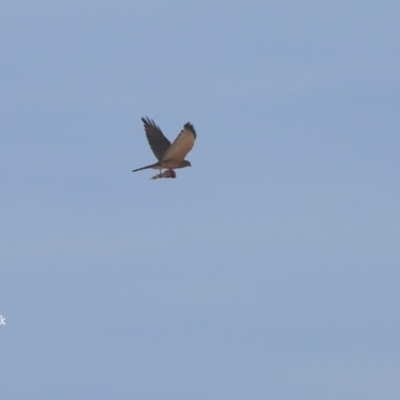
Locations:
column 170, row 156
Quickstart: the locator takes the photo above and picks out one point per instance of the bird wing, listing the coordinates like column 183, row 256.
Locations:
column 182, row 144
column 159, row 144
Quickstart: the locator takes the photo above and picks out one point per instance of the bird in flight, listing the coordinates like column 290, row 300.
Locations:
column 169, row 156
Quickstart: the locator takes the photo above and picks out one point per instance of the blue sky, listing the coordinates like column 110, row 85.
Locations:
column 269, row 269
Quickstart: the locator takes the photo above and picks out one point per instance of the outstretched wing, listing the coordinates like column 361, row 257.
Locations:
column 182, row 144
column 159, row 144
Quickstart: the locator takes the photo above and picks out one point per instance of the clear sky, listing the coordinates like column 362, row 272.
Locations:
column 267, row 270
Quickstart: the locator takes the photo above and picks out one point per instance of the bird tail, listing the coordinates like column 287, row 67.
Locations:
column 146, row 167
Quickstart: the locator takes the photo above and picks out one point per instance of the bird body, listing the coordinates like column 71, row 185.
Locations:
column 167, row 164
column 170, row 156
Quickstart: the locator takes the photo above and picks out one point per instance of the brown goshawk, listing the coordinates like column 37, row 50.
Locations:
column 170, row 156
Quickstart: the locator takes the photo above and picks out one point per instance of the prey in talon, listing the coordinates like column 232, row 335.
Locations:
column 169, row 173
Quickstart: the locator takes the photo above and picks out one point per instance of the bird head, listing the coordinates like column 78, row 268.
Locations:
column 186, row 163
